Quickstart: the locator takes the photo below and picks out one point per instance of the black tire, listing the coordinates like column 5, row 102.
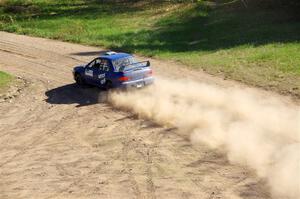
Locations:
column 108, row 85
column 79, row 80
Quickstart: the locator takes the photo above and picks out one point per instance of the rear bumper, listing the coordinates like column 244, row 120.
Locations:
column 138, row 83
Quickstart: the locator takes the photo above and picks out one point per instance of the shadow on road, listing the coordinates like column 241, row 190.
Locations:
column 73, row 94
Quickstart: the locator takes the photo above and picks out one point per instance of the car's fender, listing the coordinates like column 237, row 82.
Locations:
column 79, row 70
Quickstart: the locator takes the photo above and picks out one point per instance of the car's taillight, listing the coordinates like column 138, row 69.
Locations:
column 149, row 73
column 123, row 79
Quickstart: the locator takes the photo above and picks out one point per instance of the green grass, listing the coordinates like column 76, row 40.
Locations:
column 256, row 46
column 5, row 80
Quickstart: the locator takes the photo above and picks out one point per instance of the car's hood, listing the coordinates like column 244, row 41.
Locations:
column 78, row 68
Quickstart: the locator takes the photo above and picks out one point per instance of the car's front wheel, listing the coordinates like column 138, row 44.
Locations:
column 79, row 80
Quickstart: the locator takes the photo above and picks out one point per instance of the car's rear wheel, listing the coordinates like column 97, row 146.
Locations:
column 108, row 85
column 79, row 80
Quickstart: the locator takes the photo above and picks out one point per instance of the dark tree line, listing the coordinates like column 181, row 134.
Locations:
column 271, row 3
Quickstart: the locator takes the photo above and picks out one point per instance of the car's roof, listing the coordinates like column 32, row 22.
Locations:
column 115, row 56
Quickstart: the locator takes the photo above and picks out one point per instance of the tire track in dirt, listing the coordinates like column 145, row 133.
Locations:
column 80, row 148
column 39, row 139
column 12, row 47
column 90, row 173
column 131, row 178
column 30, row 111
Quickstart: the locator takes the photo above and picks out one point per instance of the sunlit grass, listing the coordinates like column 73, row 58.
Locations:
column 258, row 46
column 5, row 79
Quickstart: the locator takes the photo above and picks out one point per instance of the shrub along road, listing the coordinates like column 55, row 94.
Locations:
column 59, row 141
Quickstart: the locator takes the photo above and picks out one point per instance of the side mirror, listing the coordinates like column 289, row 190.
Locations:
column 148, row 63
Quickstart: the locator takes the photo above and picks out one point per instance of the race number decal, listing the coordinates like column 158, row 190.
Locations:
column 102, row 78
column 103, row 81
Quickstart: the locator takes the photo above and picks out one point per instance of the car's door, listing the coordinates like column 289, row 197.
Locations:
column 104, row 72
column 91, row 70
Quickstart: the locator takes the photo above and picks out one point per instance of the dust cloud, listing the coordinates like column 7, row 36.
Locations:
column 258, row 131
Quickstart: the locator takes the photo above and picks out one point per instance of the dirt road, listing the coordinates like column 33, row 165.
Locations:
column 58, row 141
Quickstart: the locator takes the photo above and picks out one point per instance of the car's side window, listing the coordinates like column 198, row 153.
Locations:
column 104, row 65
column 97, row 63
column 94, row 64
column 90, row 65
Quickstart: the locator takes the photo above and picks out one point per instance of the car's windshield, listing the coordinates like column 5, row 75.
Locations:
column 121, row 63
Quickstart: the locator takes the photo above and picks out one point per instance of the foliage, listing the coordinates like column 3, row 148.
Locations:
column 5, row 79
column 255, row 45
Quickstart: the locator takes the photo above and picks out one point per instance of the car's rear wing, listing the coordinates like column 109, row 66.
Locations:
column 137, row 65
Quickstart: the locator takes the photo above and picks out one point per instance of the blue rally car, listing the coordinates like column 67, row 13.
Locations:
column 114, row 70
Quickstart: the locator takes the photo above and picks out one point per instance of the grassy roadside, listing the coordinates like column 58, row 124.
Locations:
column 5, row 80
column 257, row 46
